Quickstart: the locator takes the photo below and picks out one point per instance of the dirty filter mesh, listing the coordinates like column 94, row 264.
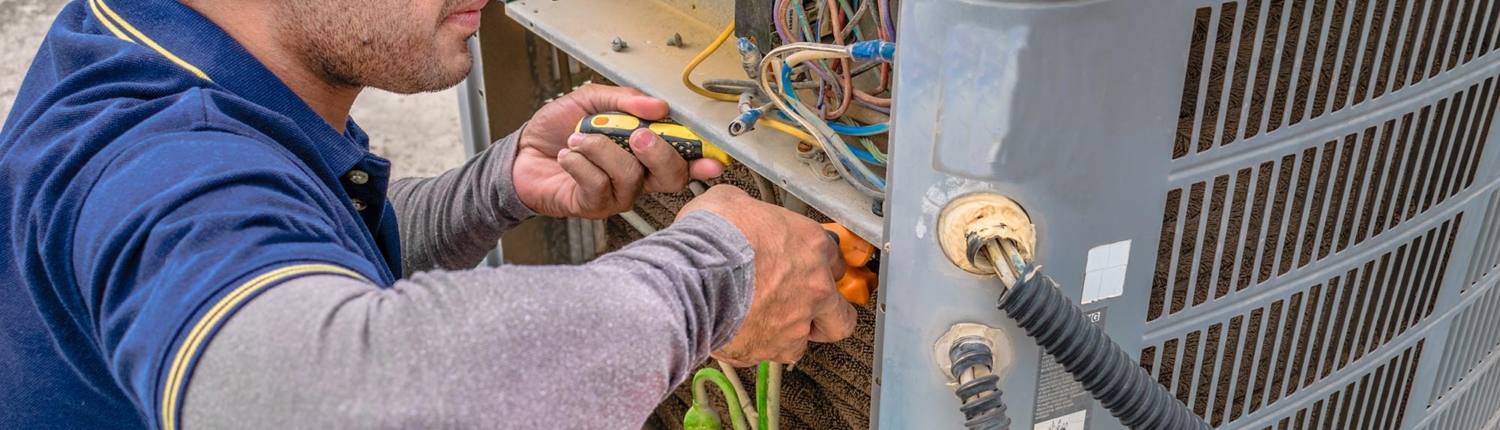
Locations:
column 828, row 389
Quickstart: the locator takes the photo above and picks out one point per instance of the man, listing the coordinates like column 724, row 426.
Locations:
column 197, row 236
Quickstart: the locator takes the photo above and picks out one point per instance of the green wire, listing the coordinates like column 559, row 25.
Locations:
column 849, row 15
column 736, row 412
column 761, row 373
column 872, row 149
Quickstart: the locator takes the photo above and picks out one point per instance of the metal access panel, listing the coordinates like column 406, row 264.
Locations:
column 1287, row 211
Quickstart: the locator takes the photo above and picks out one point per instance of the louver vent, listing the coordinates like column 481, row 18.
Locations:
column 1374, row 401
column 1249, row 361
column 1260, row 65
column 1248, row 227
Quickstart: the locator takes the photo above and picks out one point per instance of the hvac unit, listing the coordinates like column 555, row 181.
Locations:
column 1285, row 213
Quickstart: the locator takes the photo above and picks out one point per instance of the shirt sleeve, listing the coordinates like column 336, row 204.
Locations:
column 594, row 346
column 180, row 231
column 451, row 221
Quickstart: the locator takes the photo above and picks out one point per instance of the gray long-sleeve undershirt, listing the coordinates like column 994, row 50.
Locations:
column 451, row 221
column 591, row 346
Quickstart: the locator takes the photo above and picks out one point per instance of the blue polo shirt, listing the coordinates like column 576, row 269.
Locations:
column 156, row 177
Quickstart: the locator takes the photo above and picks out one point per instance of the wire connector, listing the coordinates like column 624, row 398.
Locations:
column 749, row 57
column 873, row 50
column 745, row 122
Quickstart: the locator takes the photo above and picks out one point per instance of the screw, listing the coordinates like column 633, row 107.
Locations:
column 878, row 208
column 675, row 40
column 830, row 171
column 618, row 45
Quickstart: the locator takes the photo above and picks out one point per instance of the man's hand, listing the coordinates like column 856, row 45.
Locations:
column 796, row 264
column 560, row 173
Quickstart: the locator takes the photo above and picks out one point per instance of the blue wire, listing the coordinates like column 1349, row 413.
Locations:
column 848, row 130
column 863, row 130
column 864, row 155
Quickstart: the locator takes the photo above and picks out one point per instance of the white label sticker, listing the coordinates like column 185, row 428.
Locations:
column 1105, row 273
column 1075, row 421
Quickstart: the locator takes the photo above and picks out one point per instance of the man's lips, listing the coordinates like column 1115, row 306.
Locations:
column 467, row 16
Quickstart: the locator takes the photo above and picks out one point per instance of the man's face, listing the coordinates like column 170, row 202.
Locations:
column 402, row 46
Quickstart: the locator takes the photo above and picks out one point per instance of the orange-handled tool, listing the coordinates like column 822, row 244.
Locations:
column 858, row 280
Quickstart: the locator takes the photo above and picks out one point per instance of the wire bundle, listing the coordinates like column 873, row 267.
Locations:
column 827, row 70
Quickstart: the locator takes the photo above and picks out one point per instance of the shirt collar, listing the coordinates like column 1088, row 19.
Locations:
column 198, row 42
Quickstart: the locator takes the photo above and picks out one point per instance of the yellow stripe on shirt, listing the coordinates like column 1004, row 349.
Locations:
column 147, row 40
column 94, row 6
column 175, row 384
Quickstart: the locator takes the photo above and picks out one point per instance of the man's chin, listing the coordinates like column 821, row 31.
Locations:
column 428, row 80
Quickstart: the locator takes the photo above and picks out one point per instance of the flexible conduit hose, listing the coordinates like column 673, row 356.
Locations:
column 983, row 407
column 1086, row 352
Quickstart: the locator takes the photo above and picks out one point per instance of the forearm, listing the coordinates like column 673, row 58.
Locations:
column 593, row 346
column 451, row 221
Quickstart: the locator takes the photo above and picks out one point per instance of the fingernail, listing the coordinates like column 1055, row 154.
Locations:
column 642, row 139
column 562, row 152
column 575, row 140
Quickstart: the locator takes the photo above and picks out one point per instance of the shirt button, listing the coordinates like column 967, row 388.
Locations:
column 359, row 205
column 358, row 177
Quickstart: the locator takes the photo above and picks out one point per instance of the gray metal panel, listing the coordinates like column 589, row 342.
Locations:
column 1294, row 136
column 1056, row 105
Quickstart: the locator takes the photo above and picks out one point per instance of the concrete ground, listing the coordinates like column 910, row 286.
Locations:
column 418, row 133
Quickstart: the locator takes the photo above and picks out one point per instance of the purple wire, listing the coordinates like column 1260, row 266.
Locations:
column 872, row 106
column 782, row 31
column 781, row 26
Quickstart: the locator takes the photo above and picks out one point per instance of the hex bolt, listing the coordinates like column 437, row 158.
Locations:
column 618, row 45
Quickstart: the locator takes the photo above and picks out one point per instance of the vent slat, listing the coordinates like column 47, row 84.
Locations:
column 1425, row 51
column 1330, row 52
column 1266, row 59
column 1369, row 50
column 1244, row 46
column 1486, row 40
column 1391, row 46
column 1353, row 52
column 1212, row 229
column 1440, row 54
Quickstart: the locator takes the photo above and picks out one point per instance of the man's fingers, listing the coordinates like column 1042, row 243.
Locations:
column 731, row 361
column 593, row 184
column 836, row 264
column 835, row 324
column 704, row 169
column 625, row 173
column 792, row 353
column 666, row 170
column 602, row 98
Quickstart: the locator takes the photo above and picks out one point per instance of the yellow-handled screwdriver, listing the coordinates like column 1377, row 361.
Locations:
column 618, row 127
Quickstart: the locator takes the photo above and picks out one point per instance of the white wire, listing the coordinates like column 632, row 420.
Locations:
column 830, row 142
column 640, row 224
column 747, row 403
